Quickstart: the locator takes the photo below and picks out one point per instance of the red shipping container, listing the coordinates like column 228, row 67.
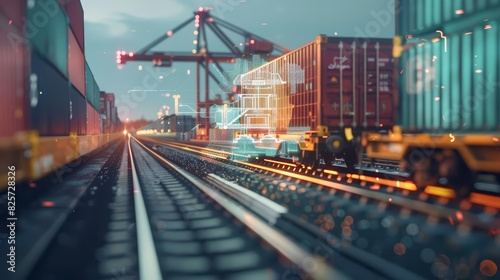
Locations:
column 13, row 81
column 14, row 11
column 75, row 13
column 332, row 81
column 76, row 64
column 357, row 87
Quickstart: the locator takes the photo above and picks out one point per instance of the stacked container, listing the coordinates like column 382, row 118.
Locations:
column 450, row 75
column 93, row 103
column 13, row 68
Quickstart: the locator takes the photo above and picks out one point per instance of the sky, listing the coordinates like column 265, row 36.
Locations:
column 142, row 90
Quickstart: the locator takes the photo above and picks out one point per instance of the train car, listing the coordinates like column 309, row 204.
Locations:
column 325, row 93
column 449, row 94
column 47, row 117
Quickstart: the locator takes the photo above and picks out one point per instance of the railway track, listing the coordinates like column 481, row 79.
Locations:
column 197, row 230
column 420, row 230
column 165, row 212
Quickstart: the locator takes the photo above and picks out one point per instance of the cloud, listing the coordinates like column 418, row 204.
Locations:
column 114, row 13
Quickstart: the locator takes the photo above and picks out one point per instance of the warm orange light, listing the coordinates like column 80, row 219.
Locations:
column 279, row 162
column 485, row 199
column 124, row 132
column 452, row 138
column 488, row 268
column 440, row 191
column 397, row 184
column 333, row 172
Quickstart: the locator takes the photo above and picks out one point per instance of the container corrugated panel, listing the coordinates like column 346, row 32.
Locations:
column 76, row 63
column 96, row 102
column 97, row 122
column 47, row 31
column 90, row 119
column 357, row 85
column 92, row 89
column 425, row 16
column 78, row 112
column 13, row 82
column 105, row 113
column 12, row 13
column 75, row 13
column 334, row 82
column 49, row 98
column 453, row 84
column 89, row 84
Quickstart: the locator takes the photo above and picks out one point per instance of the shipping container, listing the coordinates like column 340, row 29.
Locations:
column 92, row 89
column 332, row 81
column 97, row 122
column 451, row 82
column 78, row 112
column 12, row 13
column 49, row 98
column 93, row 120
column 13, row 81
column 74, row 10
column 427, row 16
column 46, row 28
column 76, row 64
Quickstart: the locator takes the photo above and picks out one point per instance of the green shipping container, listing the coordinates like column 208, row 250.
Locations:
column 423, row 16
column 449, row 74
column 46, row 29
column 92, row 89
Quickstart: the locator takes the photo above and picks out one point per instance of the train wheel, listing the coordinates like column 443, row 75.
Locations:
column 457, row 174
column 423, row 169
column 335, row 144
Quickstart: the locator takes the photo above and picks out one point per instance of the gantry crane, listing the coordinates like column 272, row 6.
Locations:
column 201, row 55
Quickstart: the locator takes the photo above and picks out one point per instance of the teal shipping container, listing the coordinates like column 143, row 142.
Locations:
column 449, row 69
column 92, row 89
column 46, row 28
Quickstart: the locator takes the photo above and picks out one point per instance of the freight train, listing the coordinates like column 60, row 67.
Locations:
column 50, row 111
column 323, row 94
column 449, row 95
column 338, row 96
